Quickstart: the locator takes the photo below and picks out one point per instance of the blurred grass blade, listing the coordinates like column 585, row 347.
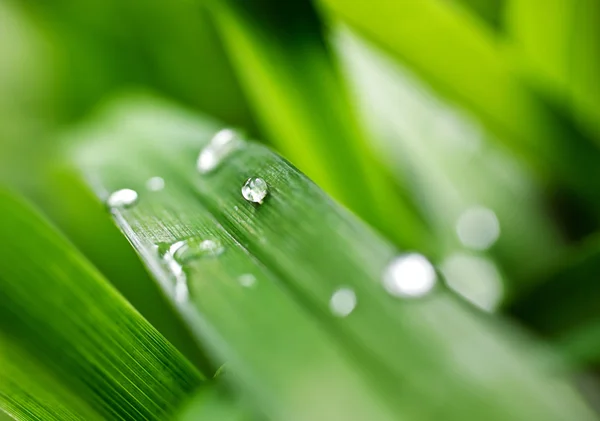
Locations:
column 260, row 292
column 458, row 56
column 439, row 148
column 213, row 402
column 302, row 105
column 564, row 305
column 59, row 314
column 557, row 47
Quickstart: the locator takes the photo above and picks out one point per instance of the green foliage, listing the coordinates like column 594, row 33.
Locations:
column 93, row 355
column 296, row 268
column 409, row 113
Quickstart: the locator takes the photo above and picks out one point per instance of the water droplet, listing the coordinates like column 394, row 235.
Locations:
column 342, row 302
column 247, row 280
column 475, row 278
column 155, row 184
column 182, row 292
column 478, row 228
column 409, row 275
column 255, row 190
column 123, row 198
column 194, row 248
column 180, row 253
column 222, row 144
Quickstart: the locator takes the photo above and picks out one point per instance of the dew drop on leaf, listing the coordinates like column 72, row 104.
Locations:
column 255, row 190
column 155, row 184
column 409, row 275
column 194, row 248
column 247, row 280
column 123, row 198
column 342, row 302
column 222, row 144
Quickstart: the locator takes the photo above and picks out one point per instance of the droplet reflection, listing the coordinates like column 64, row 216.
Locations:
column 478, row 228
column 342, row 302
column 475, row 278
column 409, row 275
column 223, row 143
column 155, row 184
column 247, row 280
column 255, row 190
column 181, row 253
column 123, row 198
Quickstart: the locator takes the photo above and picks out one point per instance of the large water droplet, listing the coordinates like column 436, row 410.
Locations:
column 255, row 190
column 342, row 302
column 155, row 184
column 247, row 280
column 194, row 248
column 180, row 253
column 123, row 198
column 409, row 275
column 478, row 228
column 182, row 292
column 475, row 278
column 222, row 144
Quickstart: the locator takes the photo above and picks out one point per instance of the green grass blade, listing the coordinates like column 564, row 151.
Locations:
column 292, row 355
column 67, row 319
column 303, row 107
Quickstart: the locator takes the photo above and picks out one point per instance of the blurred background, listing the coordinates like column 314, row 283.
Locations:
column 468, row 130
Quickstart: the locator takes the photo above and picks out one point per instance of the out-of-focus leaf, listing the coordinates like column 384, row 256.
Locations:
column 491, row 11
column 281, row 59
column 260, row 292
column 439, row 148
column 557, row 47
column 212, row 403
column 566, row 299
column 98, row 358
column 459, row 57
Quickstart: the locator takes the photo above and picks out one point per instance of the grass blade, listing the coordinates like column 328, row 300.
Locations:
column 292, row 354
column 298, row 97
column 57, row 308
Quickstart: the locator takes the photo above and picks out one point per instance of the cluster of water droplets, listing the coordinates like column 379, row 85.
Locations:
column 408, row 275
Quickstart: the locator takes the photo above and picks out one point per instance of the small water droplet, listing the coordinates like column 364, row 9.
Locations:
column 155, row 184
column 255, row 190
column 222, row 144
column 409, row 275
column 123, row 198
column 478, row 228
column 342, row 302
column 247, row 280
